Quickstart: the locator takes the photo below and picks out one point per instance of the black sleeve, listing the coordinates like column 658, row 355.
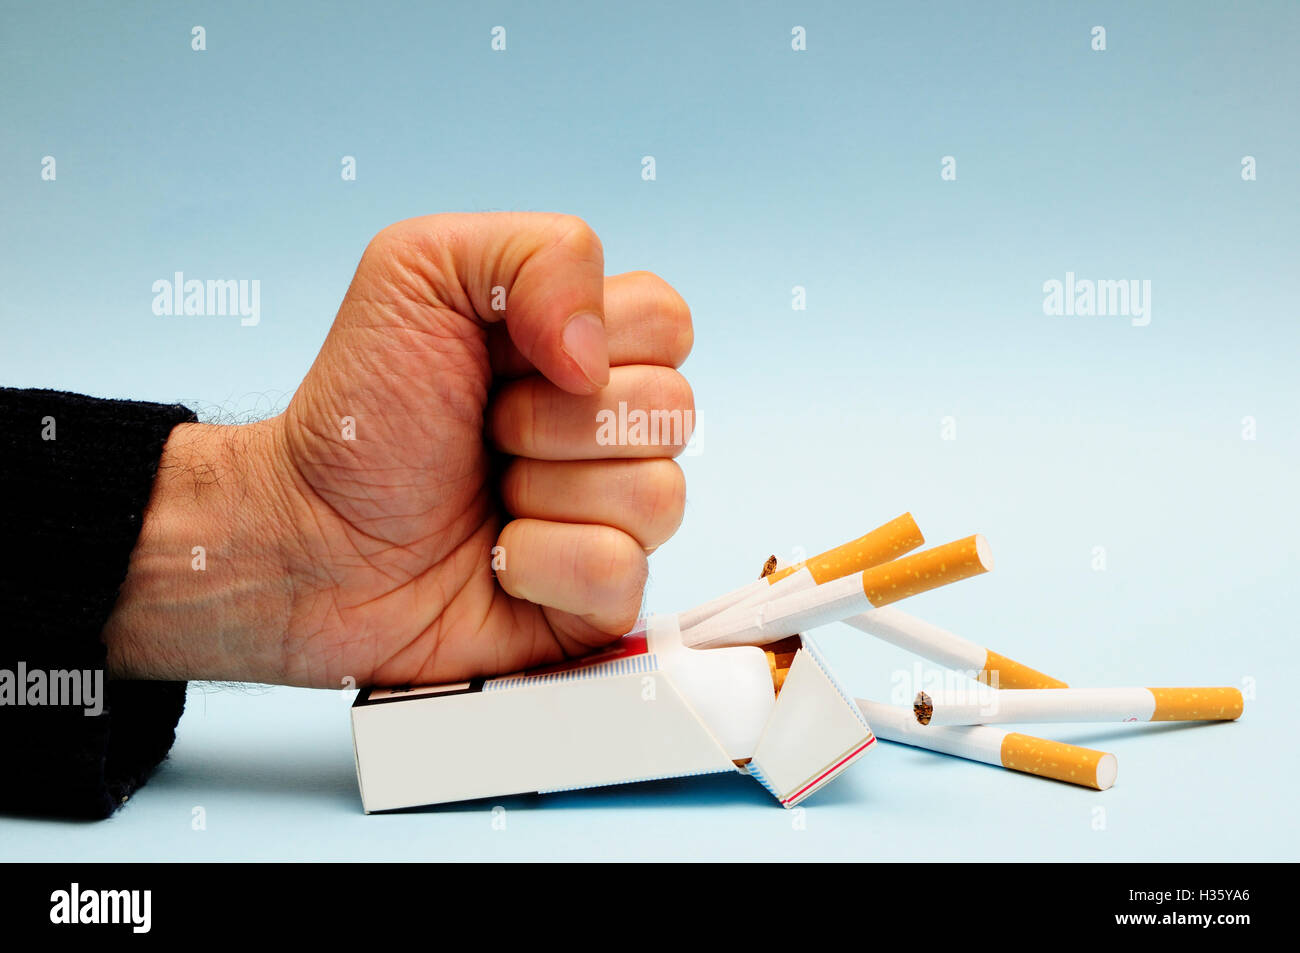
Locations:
column 75, row 478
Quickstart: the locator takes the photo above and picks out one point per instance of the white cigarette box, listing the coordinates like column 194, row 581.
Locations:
column 645, row 708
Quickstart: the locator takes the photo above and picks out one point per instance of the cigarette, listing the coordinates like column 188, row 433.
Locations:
column 985, row 706
column 1007, row 749
column 898, row 536
column 946, row 648
column 847, row 596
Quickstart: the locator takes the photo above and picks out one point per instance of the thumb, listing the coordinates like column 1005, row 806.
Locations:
column 543, row 274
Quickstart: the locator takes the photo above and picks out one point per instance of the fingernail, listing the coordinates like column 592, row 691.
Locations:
column 585, row 342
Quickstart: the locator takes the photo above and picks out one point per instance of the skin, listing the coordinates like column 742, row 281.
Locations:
column 369, row 561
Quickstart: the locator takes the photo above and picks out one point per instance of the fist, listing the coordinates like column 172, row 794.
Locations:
column 467, row 482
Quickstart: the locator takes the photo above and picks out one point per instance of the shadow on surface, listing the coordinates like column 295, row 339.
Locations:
column 709, row 790
column 290, row 773
column 1138, row 731
column 313, row 775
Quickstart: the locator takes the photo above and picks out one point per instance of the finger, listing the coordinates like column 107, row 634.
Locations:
column 597, row 573
column 543, row 274
column 647, row 322
column 646, row 411
column 643, row 498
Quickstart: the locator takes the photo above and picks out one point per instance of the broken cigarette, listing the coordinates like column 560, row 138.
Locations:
column 985, row 706
column 898, row 536
column 951, row 650
column 840, row 598
column 1007, row 749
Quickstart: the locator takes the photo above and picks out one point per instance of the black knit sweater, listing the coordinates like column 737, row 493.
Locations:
column 75, row 477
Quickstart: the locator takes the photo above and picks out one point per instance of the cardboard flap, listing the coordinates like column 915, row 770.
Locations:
column 813, row 735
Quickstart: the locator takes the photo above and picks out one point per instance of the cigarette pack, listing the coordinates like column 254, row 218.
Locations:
column 646, row 708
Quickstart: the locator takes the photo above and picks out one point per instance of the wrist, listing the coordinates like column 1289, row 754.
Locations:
column 206, row 595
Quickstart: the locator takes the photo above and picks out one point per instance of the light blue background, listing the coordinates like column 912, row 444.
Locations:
column 775, row 169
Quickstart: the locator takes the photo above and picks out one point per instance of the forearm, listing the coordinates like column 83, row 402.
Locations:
column 206, row 595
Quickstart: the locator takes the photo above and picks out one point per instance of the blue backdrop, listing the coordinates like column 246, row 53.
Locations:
column 1134, row 472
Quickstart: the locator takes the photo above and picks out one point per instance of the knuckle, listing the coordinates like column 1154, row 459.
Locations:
column 683, row 329
column 380, row 247
column 662, row 495
column 615, row 568
column 636, row 572
column 647, row 282
column 673, row 310
column 668, row 396
column 673, row 390
column 392, row 237
column 676, row 491
column 578, row 237
column 399, row 253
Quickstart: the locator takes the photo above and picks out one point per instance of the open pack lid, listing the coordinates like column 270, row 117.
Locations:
column 813, row 735
column 797, row 743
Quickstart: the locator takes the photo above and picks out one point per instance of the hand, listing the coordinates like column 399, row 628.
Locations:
column 448, row 425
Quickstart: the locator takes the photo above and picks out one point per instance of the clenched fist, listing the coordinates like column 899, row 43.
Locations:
column 438, row 501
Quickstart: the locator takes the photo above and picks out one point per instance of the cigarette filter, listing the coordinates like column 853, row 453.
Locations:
column 939, row 645
column 898, row 536
column 1007, row 749
column 844, row 597
column 985, row 706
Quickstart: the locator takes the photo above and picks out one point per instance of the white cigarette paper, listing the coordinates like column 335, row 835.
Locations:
column 949, row 649
column 844, row 597
column 1005, row 749
column 798, row 581
column 900, row 535
column 781, row 618
column 985, row 706
column 705, row 610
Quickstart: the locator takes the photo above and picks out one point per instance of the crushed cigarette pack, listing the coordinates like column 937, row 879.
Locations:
column 646, row 708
